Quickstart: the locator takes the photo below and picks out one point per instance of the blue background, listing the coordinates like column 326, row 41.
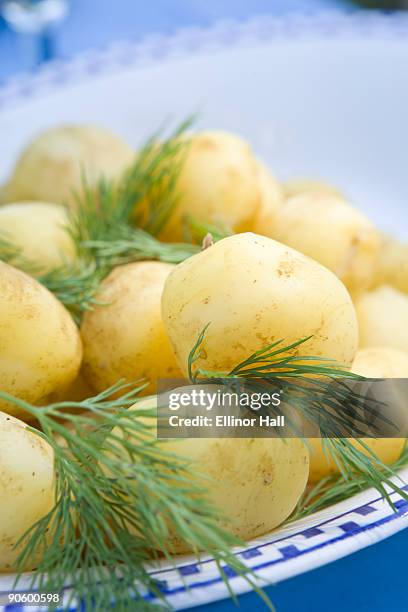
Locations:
column 371, row 580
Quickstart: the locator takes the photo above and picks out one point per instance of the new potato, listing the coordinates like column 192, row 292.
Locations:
column 27, row 487
column 50, row 168
column 305, row 185
column 218, row 183
column 37, row 230
column 378, row 362
column 40, row 346
column 246, row 479
column 270, row 200
column 124, row 338
column 328, row 229
column 253, row 291
column 383, row 318
column 392, row 267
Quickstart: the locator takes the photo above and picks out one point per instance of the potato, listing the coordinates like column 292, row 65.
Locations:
column 27, row 487
column 77, row 391
column 247, row 479
column 392, row 267
column 380, row 362
column 254, row 291
column 383, row 318
column 40, row 346
column 218, row 183
column 125, row 338
column 50, row 167
column 37, row 229
column 271, row 198
column 306, row 185
column 331, row 231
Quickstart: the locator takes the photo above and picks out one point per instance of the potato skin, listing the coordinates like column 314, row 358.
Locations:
column 270, row 201
column 218, row 183
column 247, row 479
column 383, row 318
column 125, row 337
column 392, row 266
column 27, row 486
column 40, row 346
column 49, row 169
column 328, row 229
column 254, row 291
column 377, row 362
column 37, row 228
column 306, row 185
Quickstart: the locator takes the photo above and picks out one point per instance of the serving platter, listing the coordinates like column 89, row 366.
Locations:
column 322, row 96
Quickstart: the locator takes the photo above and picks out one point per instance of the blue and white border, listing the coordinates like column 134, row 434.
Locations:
column 330, row 25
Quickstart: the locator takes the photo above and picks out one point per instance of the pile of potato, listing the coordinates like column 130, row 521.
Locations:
column 302, row 261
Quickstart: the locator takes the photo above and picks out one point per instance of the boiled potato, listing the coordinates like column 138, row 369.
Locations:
column 77, row 391
column 383, row 318
column 271, row 198
column 38, row 230
column 125, row 338
column 247, row 479
column 306, row 185
column 218, row 183
column 379, row 362
column 50, row 168
column 27, row 487
column 392, row 267
column 254, row 291
column 40, row 346
column 328, row 229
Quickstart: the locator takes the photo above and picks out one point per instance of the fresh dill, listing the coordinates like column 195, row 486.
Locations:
column 120, row 501
column 336, row 488
column 317, row 390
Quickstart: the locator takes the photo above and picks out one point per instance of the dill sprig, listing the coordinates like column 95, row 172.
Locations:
column 336, row 488
column 195, row 231
column 120, row 499
column 316, row 388
column 117, row 222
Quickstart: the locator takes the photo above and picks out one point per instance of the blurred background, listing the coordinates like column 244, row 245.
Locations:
column 35, row 31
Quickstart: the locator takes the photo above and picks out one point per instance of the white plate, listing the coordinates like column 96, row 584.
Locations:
column 323, row 97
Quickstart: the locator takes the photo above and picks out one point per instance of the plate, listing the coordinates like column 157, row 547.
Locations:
column 324, row 97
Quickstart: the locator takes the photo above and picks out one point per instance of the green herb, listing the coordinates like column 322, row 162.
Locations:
column 316, row 388
column 336, row 488
column 116, row 222
column 195, row 230
column 120, row 498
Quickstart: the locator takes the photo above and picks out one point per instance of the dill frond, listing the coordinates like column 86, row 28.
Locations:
column 120, row 500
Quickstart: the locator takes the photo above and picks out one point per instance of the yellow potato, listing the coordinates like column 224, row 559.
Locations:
column 305, row 185
column 77, row 391
column 247, row 479
column 51, row 166
column 38, row 230
column 383, row 318
column 125, row 338
column 271, row 198
column 40, row 346
column 380, row 362
column 392, row 267
column 328, row 229
column 27, row 487
column 218, row 183
column 254, row 291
